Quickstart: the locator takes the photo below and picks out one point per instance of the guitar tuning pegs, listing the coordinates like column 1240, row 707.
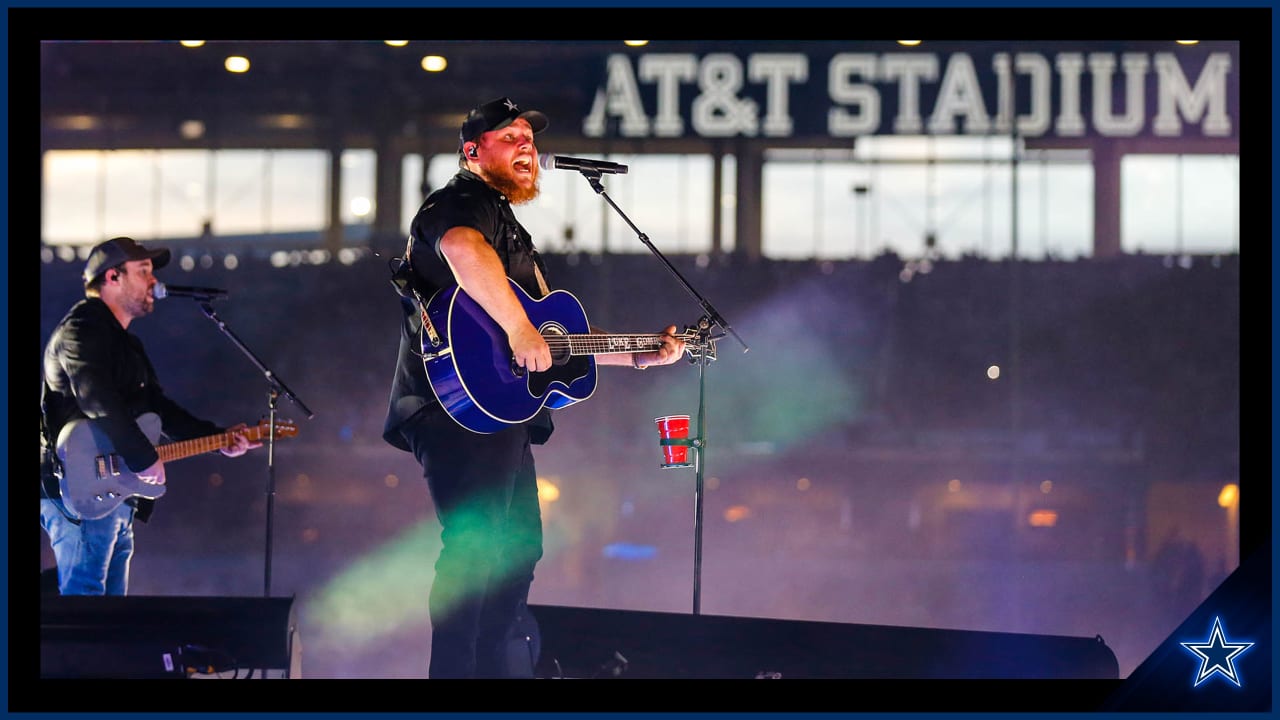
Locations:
column 698, row 350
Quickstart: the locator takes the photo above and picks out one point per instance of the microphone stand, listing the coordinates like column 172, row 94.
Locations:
column 703, row 353
column 273, row 394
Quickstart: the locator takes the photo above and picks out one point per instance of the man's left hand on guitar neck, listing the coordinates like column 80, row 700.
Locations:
column 672, row 350
column 240, row 442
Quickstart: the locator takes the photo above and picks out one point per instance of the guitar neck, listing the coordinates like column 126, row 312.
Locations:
column 197, row 446
column 603, row 344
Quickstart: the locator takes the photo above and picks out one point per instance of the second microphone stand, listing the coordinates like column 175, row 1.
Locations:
column 703, row 352
column 277, row 387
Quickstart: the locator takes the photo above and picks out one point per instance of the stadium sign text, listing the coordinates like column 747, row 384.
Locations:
column 1067, row 94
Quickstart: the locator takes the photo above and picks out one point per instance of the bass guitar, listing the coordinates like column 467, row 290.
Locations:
column 475, row 377
column 95, row 480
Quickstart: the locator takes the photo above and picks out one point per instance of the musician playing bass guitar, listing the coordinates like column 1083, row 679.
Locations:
column 98, row 378
column 470, row 264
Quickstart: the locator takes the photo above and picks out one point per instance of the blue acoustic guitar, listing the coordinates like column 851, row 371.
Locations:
column 95, row 479
column 471, row 369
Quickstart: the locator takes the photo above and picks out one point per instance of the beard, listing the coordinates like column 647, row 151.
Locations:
column 504, row 181
column 139, row 305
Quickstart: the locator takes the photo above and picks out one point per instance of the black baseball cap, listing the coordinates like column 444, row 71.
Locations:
column 117, row 251
column 495, row 115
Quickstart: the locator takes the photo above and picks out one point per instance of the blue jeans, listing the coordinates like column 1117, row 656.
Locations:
column 93, row 556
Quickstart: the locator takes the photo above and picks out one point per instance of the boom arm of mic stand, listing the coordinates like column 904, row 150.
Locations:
column 711, row 315
column 271, row 377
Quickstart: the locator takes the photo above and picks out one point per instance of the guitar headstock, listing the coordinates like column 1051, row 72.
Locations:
column 284, row 429
column 696, row 346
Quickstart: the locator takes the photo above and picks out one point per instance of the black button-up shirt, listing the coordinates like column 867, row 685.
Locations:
column 467, row 201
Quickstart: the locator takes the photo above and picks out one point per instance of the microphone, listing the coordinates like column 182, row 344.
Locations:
column 560, row 162
column 162, row 291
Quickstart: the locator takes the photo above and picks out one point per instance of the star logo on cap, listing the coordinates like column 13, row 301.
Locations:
column 510, row 105
column 1217, row 655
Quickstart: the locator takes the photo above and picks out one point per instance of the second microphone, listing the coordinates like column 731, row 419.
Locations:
column 162, row 291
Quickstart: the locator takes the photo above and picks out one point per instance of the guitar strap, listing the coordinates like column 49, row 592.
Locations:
column 542, row 283
column 402, row 279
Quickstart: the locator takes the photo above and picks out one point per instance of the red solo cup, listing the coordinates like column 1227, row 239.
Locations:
column 673, row 437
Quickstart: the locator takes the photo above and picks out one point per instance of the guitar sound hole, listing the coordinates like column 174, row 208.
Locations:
column 556, row 341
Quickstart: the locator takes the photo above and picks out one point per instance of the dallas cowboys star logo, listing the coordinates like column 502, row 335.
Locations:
column 1217, row 655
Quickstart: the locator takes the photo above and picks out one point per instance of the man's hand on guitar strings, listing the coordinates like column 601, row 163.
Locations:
column 153, row 475
column 529, row 349
column 240, row 442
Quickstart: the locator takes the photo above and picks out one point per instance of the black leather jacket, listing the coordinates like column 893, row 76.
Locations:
column 94, row 368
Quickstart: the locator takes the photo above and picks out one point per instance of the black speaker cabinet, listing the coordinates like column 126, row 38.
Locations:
column 168, row 637
column 576, row 642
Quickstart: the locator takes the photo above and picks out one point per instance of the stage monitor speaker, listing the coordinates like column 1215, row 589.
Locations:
column 168, row 637
column 589, row 643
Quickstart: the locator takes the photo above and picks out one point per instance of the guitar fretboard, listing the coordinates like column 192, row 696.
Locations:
column 188, row 448
column 210, row 443
column 601, row 344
